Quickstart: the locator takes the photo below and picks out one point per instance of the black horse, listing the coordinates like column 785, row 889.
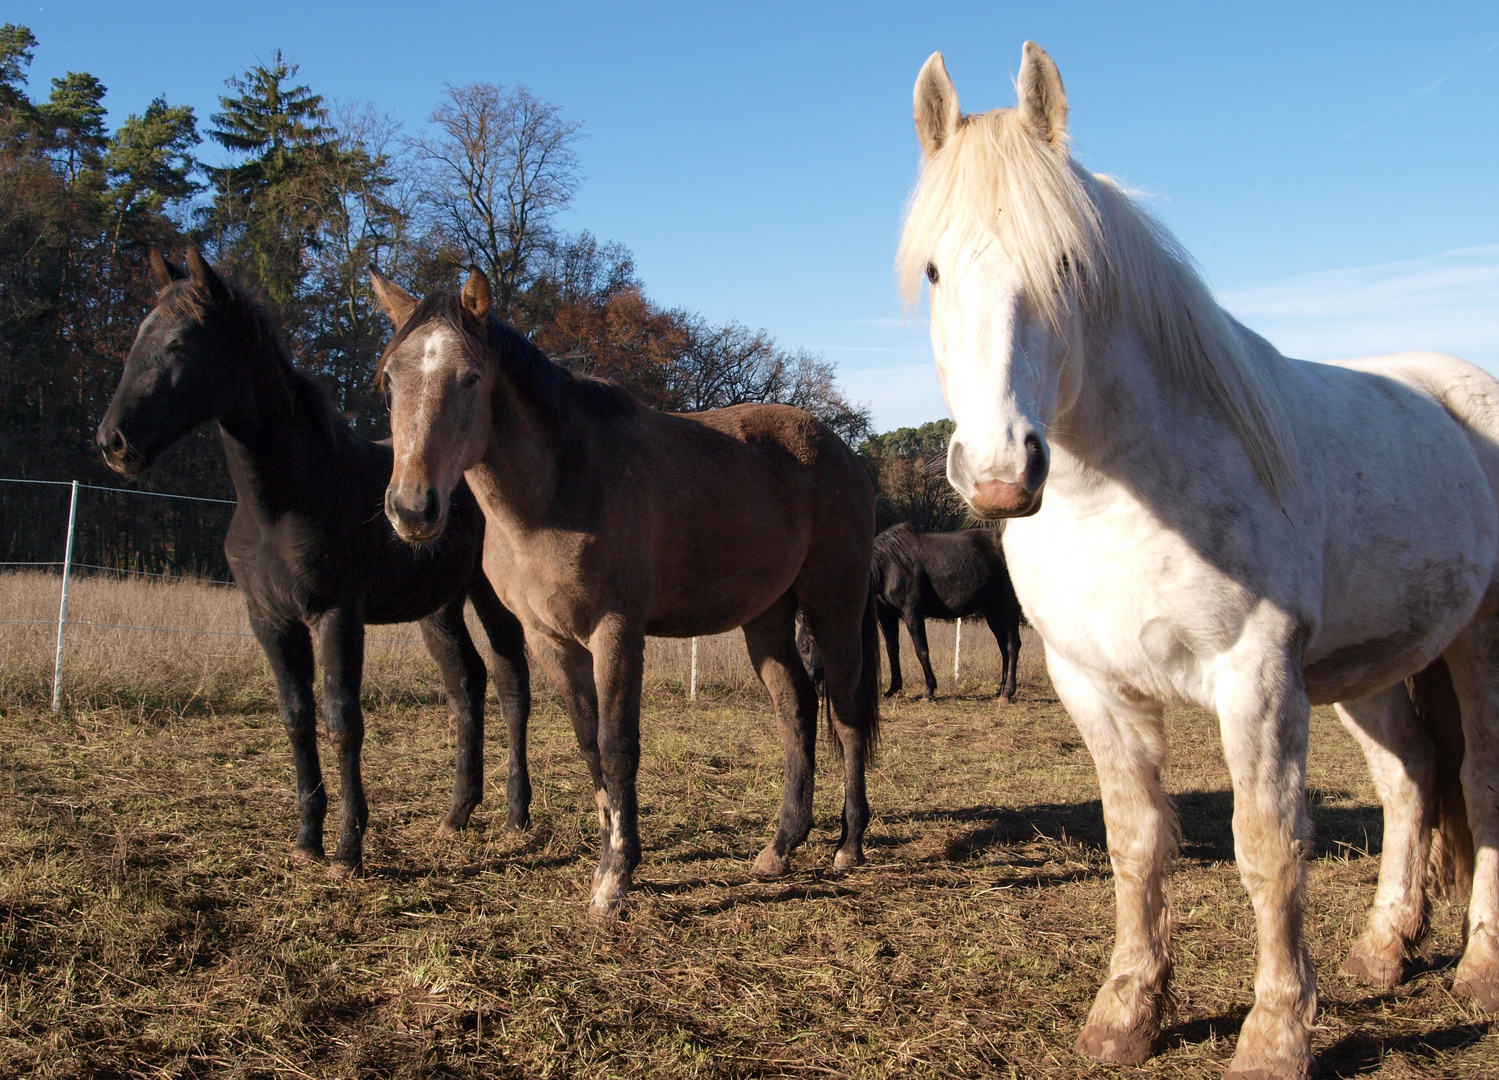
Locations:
column 919, row 576
column 310, row 546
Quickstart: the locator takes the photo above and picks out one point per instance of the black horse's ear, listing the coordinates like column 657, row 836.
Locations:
column 475, row 298
column 164, row 273
column 205, row 277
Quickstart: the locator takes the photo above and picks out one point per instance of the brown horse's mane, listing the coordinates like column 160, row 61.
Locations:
column 505, row 349
column 185, row 299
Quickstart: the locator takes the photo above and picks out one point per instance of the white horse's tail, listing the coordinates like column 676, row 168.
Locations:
column 1450, row 864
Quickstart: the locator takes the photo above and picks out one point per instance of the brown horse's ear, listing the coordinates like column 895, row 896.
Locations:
column 164, row 273
column 475, row 296
column 935, row 104
column 396, row 302
column 205, row 278
column 1043, row 102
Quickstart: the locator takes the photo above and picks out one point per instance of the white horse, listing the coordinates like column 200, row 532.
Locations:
column 1201, row 521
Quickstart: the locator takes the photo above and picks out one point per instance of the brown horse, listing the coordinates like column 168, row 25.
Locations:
column 608, row 521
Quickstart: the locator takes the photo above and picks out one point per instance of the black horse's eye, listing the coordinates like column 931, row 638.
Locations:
column 931, row 272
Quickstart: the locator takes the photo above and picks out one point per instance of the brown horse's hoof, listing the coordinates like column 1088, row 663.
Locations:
column 770, row 864
column 447, row 831
column 847, row 860
column 1380, row 972
column 1115, row 1046
column 518, row 828
column 301, row 858
column 344, row 871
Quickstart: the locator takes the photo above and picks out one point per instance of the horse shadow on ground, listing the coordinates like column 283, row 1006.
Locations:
column 1339, row 827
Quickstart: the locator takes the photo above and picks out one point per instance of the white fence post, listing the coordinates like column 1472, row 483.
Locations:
column 692, row 683
column 957, row 648
column 62, row 611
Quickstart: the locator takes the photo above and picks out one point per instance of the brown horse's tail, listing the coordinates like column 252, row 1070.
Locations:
column 866, row 715
column 1450, row 864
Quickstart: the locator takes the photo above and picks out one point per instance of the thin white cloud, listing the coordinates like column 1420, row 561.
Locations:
column 1448, row 302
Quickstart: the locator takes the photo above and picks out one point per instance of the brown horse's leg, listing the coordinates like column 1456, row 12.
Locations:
column 618, row 648
column 850, row 640
column 889, row 619
column 916, row 626
column 288, row 648
column 772, row 649
column 570, row 667
column 463, row 674
column 512, row 682
column 341, row 636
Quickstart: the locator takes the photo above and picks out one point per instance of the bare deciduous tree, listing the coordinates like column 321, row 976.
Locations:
column 501, row 164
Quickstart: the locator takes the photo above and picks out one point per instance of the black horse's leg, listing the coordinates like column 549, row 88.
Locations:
column 916, row 625
column 341, row 635
column 1012, row 631
column 1006, row 633
column 463, row 673
column 773, row 651
column 512, row 681
column 890, row 629
column 618, row 649
column 288, row 648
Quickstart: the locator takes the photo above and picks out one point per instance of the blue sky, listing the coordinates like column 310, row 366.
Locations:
column 1334, row 168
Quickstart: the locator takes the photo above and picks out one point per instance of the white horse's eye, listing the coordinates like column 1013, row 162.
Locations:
column 931, row 272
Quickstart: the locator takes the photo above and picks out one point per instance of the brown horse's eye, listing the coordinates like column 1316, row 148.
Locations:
column 471, row 380
column 931, row 272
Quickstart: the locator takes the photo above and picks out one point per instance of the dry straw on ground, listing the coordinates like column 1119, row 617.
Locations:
column 152, row 926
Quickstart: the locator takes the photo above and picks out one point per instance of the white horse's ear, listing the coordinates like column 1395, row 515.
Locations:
column 475, row 295
column 396, row 302
column 935, row 105
column 1043, row 102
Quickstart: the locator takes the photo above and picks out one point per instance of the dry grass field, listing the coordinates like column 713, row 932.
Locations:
column 150, row 924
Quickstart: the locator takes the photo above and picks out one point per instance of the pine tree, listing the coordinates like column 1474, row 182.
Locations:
column 268, row 208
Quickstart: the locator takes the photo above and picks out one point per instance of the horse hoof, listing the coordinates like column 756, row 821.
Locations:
column 345, row 871
column 1117, row 1047
column 449, row 831
column 304, row 857
column 1295, row 1072
column 769, row 864
column 847, row 860
column 1380, row 972
column 892, row 691
column 606, row 911
column 518, row 827
column 1477, row 976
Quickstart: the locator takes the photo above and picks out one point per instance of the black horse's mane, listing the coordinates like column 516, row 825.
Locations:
column 186, row 299
column 503, row 348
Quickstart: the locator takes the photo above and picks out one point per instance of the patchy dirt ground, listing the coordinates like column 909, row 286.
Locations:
column 150, row 924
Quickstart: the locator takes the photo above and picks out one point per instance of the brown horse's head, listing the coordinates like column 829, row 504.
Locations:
column 438, row 377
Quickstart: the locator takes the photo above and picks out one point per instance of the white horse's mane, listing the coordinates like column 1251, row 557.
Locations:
column 1084, row 246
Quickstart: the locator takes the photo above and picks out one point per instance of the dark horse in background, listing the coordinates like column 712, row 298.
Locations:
column 309, row 544
column 919, row 576
column 608, row 521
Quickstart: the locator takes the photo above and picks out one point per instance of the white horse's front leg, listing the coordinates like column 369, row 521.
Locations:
column 1473, row 660
column 1402, row 763
column 1127, row 742
column 1263, row 716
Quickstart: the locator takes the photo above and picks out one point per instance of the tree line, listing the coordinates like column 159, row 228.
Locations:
column 298, row 199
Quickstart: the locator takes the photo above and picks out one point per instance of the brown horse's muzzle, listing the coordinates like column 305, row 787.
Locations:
column 418, row 514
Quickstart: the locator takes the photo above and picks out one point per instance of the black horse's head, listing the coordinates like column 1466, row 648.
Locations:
column 180, row 371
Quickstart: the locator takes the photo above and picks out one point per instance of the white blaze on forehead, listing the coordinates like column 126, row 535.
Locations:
column 442, row 349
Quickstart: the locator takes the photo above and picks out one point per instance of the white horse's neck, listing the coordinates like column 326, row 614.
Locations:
column 1129, row 426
